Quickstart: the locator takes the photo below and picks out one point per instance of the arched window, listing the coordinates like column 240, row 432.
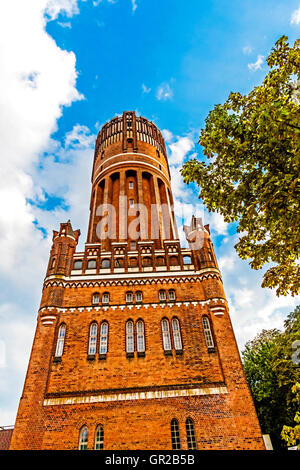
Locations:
column 207, row 332
column 129, row 337
column 105, row 263
column 96, row 298
column 175, row 436
column 174, row 261
column 162, row 295
column 105, row 298
column 119, row 263
column 187, row 260
column 83, row 438
column 176, row 334
column 103, row 337
column 53, row 263
column 147, row 261
column 172, row 294
column 93, row 339
column 91, row 264
column 129, row 297
column 165, row 328
column 133, row 262
column 60, row 340
column 190, row 434
column 99, row 438
column 77, row 264
column 160, row 261
column 140, row 336
column 138, row 296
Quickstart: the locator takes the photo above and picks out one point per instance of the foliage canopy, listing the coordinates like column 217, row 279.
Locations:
column 273, row 369
column 252, row 143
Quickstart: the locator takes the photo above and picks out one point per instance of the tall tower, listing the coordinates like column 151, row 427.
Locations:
column 134, row 348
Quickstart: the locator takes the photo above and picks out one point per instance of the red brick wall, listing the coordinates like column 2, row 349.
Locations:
column 5, row 438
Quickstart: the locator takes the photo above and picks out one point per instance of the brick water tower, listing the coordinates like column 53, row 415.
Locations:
column 134, row 347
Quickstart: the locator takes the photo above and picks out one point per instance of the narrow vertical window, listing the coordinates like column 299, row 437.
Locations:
column 140, row 336
column 172, row 295
column 175, row 436
column 60, row 340
column 95, row 299
column 162, row 295
column 83, row 438
column 99, row 438
column 104, row 338
column 165, row 328
column 129, row 297
column 129, row 337
column 105, row 298
column 176, row 334
column 138, row 296
column 207, row 332
column 93, row 339
column 190, row 434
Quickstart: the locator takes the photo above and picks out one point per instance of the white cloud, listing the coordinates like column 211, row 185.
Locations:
column 134, row 5
column 164, row 92
column 145, row 89
column 256, row 65
column 179, row 150
column 37, row 80
column 247, row 50
column 53, row 8
column 167, row 135
column 295, row 18
column 251, row 307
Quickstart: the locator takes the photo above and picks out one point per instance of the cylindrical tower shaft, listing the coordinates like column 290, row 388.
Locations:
column 131, row 197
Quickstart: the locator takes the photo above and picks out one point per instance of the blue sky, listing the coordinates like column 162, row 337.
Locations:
column 68, row 66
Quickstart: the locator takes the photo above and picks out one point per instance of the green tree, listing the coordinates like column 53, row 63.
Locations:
column 292, row 434
column 271, row 373
column 251, row 175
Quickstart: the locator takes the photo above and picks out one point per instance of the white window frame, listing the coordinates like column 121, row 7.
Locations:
column 129, row 297
column 165, row 329
column 176, row 334
column 103, row 338
column 129, row 336
column 105, row 298
column 138, row 296
column 99, row 441
column 140, row 336
column 131, row 202
column 93, row 339
column 96, row 298
column 77, row 261
column 172, row 294
column 190, row 434
column 207, row 332
column 60, row 340
column 89, row 261
column 162, row 295
column 130, row 185
column 175, row 434
column 83, row 441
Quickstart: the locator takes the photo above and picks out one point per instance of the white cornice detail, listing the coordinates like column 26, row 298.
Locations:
column 194, row 303
column 137, row 275
column 148, row 395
